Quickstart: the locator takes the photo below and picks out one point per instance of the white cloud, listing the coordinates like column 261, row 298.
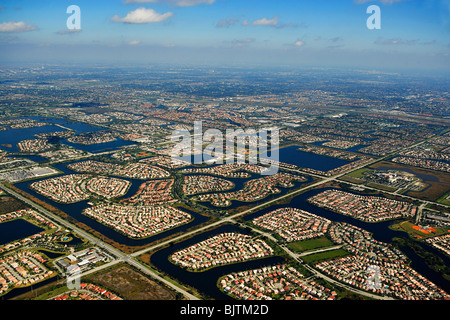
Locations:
column 382, row 1
column 179, row 3
column 266, row 22
column 397, row 41
column 299, row 43
column 133, row 42
column 142, row 15
column 225, row 23
column 68, row 31
column 14, row 26
column 272, row 23
column 242, row 42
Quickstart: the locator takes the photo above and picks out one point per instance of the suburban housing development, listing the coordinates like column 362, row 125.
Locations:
column 237, row 152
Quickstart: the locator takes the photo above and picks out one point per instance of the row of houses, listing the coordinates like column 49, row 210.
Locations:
column 21, row 269
column 153, row 192
column 293, row 224
column 202, row 184
column 138, row 221
column 254, row 190
column 141, row 171
column 365, row 208
column 34, row 145
column 441, row 243
column 78, row 187
column 376, row 267
column 229, row 170
column 224, row 248
column 278, row 282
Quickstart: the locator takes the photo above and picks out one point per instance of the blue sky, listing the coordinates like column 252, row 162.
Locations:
column 414, row 34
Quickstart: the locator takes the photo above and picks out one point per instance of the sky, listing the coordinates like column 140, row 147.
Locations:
column 414, row 34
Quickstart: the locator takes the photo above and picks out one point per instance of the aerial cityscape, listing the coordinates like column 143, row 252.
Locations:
column 207, row 150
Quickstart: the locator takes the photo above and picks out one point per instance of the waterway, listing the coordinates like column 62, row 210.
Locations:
column 75, row 210
column 206, row 281
column 14, row 136
column 311, row 160
column 17, row 229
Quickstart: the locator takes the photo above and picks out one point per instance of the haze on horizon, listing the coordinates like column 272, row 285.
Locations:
column 414, row 34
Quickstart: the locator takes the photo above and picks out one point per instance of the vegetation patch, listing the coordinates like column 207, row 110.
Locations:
column 312, row 244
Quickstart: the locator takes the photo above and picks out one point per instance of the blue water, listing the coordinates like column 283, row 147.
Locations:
column 206, row 281
column 14, row 136
column 75, row 211
column 17, row 229
column 100, row 147
column 300, row 158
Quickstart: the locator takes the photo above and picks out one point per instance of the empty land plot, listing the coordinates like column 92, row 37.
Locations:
column 311, row 244
column 132, row 285
column 438, row 182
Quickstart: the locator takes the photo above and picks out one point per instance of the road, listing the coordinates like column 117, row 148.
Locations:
column 130, row 259
column 97, row 242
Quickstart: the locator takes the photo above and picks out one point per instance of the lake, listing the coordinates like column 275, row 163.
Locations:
column 206, row 281
column 314, row 161
column 14, row 136
column 17, row 229
column 75, row 211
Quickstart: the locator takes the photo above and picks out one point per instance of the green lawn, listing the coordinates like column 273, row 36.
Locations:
column 312, row 244
column 358, row 174
column 444, row 199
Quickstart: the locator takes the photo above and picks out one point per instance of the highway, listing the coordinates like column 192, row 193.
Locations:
column 97, row 242
column 130, row 259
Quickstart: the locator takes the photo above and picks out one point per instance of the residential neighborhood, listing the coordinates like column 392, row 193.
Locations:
column 279, row 282
column 365, row 208
column 224, row 248
column 137, row 221
column 293, row 224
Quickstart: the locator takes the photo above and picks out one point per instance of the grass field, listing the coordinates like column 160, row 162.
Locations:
column 417, row 232
column 351, row 179
column 358, row 174
column 327, row 255
column 312, row 244
column 381, row 187
column 444, row 200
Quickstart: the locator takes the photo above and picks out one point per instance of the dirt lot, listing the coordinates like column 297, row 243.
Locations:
column 9, row 204
column 132, row 285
